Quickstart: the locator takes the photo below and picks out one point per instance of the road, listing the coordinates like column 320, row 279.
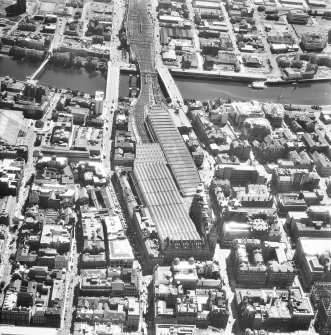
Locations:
column 58, row 35
column 207, row 169
column 71, row 281
column 84, row 18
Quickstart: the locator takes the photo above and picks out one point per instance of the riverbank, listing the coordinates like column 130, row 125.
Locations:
column 218, row 75
column 240, row 77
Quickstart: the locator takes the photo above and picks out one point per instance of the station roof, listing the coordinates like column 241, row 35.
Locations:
column 164, row 202
column 175, row 151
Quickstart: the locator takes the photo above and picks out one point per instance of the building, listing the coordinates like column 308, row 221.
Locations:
column 120, row 253
column 253, row 195
column 93, row 261
column 164, row 131
column 297, row 16
column 322, row 164
column 7, row 205
column 11, row 174
column 313, row 41
column 257, row 264
column 148, row 238
column 240, row 174
column 275, row 113
column 291, row 202
column 312, row 229
column 289, row 180
column 244, row 110
column 265, row 309
column 191, row 293
column 200, row 211
column 320, row 291
column 312, row 257
column 133, row 316
column 93, row 234
column 18, row 302
column 323, row 318
column 320, row 213
column 177, row 232
column 55, row 236
column 99, row 96
column 100, row 312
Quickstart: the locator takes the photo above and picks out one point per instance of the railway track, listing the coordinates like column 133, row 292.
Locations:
column 141, row 39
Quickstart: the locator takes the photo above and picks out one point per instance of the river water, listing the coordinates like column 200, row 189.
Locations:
column 317, row 93
column 306, row 94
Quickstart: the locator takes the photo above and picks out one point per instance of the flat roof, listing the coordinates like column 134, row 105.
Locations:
column 315, row 246
column 171, row 18
column 120, row 249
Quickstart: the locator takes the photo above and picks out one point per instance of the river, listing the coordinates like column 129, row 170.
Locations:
column 15, row 69
column 306, row 94
column 317, row 93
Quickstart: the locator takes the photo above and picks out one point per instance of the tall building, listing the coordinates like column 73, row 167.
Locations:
column 99, row 96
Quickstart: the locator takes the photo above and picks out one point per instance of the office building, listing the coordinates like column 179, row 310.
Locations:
column 99, row 96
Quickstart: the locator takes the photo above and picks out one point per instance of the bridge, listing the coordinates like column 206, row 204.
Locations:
column 170, row 85
column 113, row 80
column 40, row 68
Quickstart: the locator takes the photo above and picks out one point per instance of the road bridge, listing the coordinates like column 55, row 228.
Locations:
column 113, row 79
column 170, row 85
column 40, row 68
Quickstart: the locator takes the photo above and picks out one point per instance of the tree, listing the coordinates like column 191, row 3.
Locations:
column 297, row 64
column 34, row 56
column 17, row 52
column 39, row 124
column 92, row 65
column 1, row 45
column 78, row 61
column 61, row 59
